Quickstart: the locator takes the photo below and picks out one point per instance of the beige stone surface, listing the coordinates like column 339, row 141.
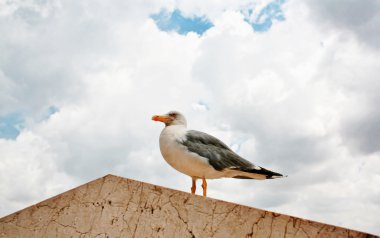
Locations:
column 118, row 207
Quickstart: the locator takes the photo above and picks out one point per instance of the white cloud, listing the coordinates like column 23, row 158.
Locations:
column 293, row 99
column 359, row 18
column 29, row 173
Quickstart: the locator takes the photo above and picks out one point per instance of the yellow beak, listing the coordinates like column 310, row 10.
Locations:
column 161, row 118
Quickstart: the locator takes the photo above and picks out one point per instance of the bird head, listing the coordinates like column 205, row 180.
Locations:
column 171, row 118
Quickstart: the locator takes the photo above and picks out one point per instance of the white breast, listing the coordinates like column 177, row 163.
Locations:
column 180, row 158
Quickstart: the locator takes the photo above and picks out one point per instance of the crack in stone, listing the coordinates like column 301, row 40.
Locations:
column 319, row 231
column 227, row 214
column 184, row 222
column 140, row 213
column 212, row 219
column 117, row 184
column 286, row 227
column 45, row 205
column 301, row 228
column 68, row 226
column 271, row 224
column 256, row 223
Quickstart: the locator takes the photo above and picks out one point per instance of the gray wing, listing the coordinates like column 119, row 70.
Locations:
column 219, row 155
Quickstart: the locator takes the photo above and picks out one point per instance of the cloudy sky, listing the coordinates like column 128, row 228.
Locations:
column 290, row 85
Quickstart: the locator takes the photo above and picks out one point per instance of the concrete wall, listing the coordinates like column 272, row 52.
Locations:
column 117, row 207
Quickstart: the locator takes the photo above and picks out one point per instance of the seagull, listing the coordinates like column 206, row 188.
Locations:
column 202, row 156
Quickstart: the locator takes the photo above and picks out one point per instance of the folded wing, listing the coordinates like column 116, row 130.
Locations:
column 222, row 158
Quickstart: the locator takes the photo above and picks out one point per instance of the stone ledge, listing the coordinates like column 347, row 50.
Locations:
column 113, row 206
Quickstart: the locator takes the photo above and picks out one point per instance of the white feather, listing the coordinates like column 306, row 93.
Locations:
column 180, row 158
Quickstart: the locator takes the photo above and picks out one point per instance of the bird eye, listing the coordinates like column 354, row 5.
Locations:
column 173, row 114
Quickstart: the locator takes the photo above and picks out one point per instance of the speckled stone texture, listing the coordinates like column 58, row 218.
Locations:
column 118, row 207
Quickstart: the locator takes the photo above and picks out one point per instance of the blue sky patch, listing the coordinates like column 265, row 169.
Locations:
column 200, row 106
column 175, row 21
column 48, row 113
column 52, row 110
column 11, row 125
column 263, row 21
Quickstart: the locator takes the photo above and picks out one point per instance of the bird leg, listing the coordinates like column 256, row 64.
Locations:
column 194, row 185
column 204, row 186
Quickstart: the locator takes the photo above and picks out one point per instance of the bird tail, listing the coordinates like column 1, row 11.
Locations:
column 257, row 173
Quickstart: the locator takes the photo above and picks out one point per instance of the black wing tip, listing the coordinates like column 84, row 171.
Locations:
column 269, row 174
column 276, row 176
